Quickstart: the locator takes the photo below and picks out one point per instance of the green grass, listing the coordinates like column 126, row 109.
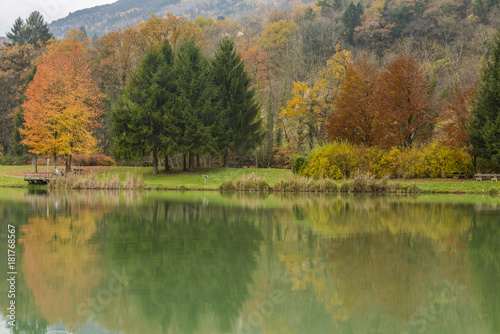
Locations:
column 437, row 186
column 12, row 176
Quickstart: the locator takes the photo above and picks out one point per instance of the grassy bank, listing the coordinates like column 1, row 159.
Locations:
column 275, row 180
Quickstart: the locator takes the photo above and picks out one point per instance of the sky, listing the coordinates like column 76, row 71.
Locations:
column 51, row 10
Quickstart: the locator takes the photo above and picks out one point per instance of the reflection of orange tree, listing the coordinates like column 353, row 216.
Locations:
column 59, row 264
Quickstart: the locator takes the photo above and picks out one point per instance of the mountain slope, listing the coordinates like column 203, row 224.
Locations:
column 123, row 13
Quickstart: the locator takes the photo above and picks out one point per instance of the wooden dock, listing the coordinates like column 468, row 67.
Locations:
column 38, row 178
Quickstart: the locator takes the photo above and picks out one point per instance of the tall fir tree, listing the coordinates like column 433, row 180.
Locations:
column 141, row 121
column 484, row 127
column 32, row 31
column 197, row 113
column 237, row 101
column 352, row 19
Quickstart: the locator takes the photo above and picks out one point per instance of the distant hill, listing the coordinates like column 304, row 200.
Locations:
column 124, row 13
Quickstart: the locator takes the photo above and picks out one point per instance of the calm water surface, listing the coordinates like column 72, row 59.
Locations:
column 202, row 262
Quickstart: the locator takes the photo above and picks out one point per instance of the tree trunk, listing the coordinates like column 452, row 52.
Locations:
column 167, row 166
column 55, row 161
column 69, row 164
column 35, row 161
column 197, row 161
column 155, row 161
column 224, row 160
column 191, row 162
column 184, row 167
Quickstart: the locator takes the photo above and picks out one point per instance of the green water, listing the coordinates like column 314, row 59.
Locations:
column 202, row 262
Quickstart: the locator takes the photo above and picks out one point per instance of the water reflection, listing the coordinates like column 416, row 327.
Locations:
column 131, row 262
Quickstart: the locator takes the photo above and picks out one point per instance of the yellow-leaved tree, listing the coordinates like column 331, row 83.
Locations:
column 306, row 114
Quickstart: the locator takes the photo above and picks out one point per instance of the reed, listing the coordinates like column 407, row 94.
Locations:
column 251, row 182
column 92, row 181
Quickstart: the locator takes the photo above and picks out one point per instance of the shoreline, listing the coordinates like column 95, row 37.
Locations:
column 240, row 180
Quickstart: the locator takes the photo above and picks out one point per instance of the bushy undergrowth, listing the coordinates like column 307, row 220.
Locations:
column 342, row 160
column 93, row 160
column 14, row 160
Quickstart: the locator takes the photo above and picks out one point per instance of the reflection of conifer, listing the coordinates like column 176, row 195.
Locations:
column 186, row 270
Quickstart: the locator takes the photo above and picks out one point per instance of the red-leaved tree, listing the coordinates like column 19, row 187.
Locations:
column 403, row 101
column 355, row 117
column 455, row 116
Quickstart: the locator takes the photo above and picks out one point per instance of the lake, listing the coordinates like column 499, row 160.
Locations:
column 205, row 262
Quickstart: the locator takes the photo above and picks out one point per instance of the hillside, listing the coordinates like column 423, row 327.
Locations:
column 124, row 13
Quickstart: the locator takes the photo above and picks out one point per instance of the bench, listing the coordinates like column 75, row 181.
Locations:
column 460, row 175
column 483, row 177
column 78, row 171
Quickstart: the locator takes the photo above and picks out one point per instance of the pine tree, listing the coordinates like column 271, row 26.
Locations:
column 352, row 19
column 140, row 118
column 34, row 30
column 237, row 101
column 196, row 112
column 16, row 34
column 484, row 127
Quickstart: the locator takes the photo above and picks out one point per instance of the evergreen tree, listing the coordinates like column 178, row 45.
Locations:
column 352, row 19
column 16, row 34
column 237, row 101
column 141, row 121
column 197, row 113
column 30, row 32
column 484, row 127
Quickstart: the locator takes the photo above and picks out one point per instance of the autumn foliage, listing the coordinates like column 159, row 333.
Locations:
column 62, row 103
column 455, row 117
column 390, row 109
column 355, row 115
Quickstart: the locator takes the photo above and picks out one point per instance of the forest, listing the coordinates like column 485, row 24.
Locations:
column 378, row 73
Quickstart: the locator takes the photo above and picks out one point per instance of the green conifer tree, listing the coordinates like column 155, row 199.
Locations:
column 31, row 31
column 197, row 112
column 237, row 101
column 141, row 122
column 484, row 127
column 352, row 19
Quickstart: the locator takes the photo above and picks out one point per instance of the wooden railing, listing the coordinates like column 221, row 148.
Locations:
column 38, row 178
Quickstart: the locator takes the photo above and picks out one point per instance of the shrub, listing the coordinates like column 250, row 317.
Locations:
column 298, row 163
column 252, row 182
column 227, row 186
column 340, row 160
column 282, row 157
column 335, row 161
column 93, row 160
column 12, row 160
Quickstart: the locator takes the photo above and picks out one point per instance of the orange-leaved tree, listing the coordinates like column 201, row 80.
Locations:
column 355, row 117
column 404, row 103
column 455, row 117
column 62, row 103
